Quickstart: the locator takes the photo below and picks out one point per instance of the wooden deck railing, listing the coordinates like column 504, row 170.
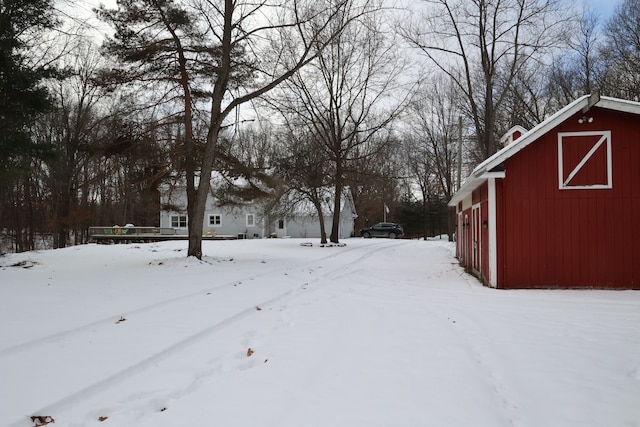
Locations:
column 130, row 231
column 116, row 234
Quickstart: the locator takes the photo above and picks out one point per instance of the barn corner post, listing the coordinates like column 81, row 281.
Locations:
column 492, row 231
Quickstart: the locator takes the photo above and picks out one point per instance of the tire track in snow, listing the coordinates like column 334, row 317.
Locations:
column 109, row 320
column 473, row 338
column 150, row 361
column 345, row 270
column 175, row 348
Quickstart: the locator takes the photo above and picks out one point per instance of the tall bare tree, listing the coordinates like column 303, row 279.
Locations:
column 482, row 45
column 69, row 128
column 305, row 167
column 244, row 42
column 373, row 175
column 346, row 97
column 263, row 30
column 622, row 51
column 579, row 69
column 431, row 141
column 247, row 152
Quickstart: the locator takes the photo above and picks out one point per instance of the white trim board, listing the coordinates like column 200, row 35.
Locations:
column 564, row 179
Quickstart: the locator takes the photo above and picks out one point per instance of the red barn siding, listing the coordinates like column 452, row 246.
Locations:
column 553, row 237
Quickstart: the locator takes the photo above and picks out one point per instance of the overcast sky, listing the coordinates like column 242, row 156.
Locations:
column 603, row 7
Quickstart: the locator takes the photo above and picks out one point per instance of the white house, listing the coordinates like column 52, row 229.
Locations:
column 251, row 221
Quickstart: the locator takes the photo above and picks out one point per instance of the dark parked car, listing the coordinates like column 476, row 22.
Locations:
column 382, row 229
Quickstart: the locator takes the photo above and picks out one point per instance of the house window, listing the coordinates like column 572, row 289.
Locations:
column 584, row 160
column 179, row 221
column 251, row 220
column 281, row 224
column 215, row 220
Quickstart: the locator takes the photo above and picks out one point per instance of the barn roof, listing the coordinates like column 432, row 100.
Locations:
column 486, row 169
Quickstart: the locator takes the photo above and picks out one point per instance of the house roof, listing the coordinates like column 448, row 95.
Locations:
column 485, row 169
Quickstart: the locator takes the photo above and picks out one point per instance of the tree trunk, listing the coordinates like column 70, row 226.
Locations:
column 336, row 205
column 425, row 217
column 196, row 223
column 28, row 200
column 199, row 203
column 323, row 231
column 217, row 117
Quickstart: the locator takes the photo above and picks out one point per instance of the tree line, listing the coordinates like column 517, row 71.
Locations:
column 281, row 102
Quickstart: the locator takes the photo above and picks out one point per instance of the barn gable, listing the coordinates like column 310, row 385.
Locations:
column 557, row 205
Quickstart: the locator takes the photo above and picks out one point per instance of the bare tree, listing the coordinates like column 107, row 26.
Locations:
column 243, row 44
column 302, row 29
column 304, row 166
column 546, row 85
column 482, row 45
column 622, row 51
column 68, row 128
column 246, row 153
column 345, row 97
column 431, row 141
column 373, row 174
column 579, row 69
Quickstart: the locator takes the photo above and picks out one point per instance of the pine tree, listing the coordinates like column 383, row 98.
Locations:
column 159, row 46
column 22, row 97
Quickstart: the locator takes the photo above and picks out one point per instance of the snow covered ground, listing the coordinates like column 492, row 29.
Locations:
column 272, row 333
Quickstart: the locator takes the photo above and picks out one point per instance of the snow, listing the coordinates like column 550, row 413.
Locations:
column 271, row 333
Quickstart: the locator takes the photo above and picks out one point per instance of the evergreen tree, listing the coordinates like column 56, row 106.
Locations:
column 22, row 97
column 160, row 47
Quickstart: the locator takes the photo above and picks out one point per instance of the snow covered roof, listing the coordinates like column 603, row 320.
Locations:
column 485, row 169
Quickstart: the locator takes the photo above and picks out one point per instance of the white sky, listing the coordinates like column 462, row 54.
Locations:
column 83, row 9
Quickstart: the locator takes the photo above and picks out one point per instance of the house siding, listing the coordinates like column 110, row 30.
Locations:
column 309, row 226
column 233, row 220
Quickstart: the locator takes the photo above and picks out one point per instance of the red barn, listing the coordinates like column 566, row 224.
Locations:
column 559, row 207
